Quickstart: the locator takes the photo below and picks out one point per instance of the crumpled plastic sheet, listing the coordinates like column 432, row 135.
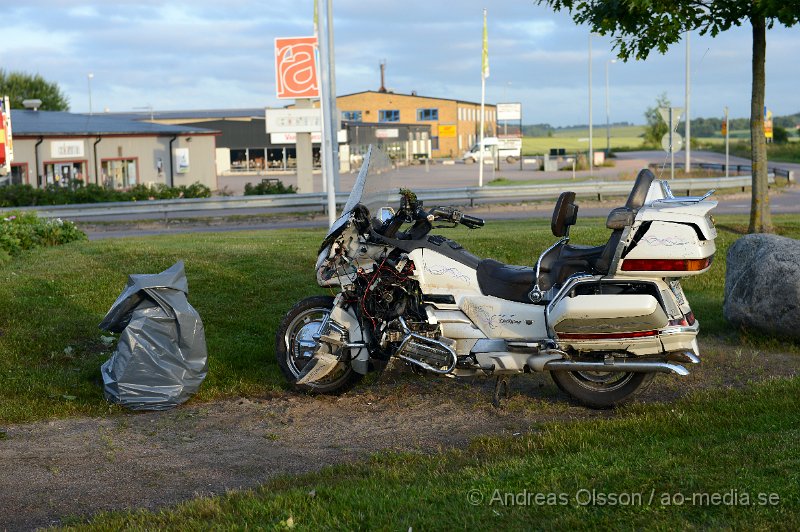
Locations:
column 161, row 359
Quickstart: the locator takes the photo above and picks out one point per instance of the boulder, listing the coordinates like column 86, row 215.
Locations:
column 762, row 285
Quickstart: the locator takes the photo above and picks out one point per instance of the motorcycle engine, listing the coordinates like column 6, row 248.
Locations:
column 387, row 293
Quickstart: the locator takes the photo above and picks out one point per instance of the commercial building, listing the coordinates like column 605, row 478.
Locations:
column 59, row 147
column 454, row 124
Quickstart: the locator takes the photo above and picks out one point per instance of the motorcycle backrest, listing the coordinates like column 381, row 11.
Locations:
column 622, row 217
column 564, row 215
column 639, row 192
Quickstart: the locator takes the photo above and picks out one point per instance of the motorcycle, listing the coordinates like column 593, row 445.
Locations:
column 601, row 320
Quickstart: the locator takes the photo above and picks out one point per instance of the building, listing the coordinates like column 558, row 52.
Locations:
column 454, row 124
column 59, row 147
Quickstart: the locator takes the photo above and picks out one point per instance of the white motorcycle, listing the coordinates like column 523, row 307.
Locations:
column 602, row 320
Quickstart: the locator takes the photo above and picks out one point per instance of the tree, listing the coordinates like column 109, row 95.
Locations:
column 640, row 26
column 655, row 127
column 19, row 86
column 780, row 135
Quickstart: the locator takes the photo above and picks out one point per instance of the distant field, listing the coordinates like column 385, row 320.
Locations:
column 569, row 139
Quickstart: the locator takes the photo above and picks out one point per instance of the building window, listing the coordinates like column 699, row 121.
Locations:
column 64, row 173
column 119, row 173
column 427, row 114
column 18, row 175
column 391, row 115
column 352, row 116
column 434, row 143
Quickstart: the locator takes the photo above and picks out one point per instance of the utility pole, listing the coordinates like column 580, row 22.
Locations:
column 591, row 149
column 688, row 119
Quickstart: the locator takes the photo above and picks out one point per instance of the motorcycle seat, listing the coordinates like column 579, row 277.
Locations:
column 505, row 281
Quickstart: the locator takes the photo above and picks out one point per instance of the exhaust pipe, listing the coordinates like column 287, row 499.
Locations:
column 621, row 366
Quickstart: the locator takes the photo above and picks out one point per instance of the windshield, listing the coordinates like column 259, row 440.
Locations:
column 372, row 188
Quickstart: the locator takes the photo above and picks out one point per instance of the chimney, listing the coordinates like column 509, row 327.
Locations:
column 383, row 76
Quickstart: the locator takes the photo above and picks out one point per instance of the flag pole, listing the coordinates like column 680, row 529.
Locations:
column 484, row 75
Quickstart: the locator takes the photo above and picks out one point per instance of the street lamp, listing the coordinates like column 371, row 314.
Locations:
column 591, row 161
column 608, row 126
column 89, row 81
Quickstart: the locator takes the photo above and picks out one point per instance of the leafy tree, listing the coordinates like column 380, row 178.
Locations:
column 640, row 26
column 655, row 127
column 19, row 86
column 780, row 135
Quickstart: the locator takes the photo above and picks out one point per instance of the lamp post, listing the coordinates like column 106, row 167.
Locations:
column 591, row 154
column 89, row 81
column 608, row 119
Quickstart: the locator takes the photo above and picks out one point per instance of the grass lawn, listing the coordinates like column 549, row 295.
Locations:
column 648, row 458
column 51, row 301
column 714, row 460
column 569, row 139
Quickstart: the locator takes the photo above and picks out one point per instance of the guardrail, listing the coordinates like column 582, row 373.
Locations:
column 735, row 168
column 317, row 201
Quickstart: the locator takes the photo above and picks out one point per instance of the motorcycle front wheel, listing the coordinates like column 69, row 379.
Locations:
column 295, row 345
column 601, row 389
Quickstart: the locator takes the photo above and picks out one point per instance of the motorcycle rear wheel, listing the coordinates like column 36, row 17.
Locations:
column 597, row 389
column 294, row 347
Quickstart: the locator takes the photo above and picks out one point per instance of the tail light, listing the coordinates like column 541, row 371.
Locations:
column 685, row 321
column 665, row 265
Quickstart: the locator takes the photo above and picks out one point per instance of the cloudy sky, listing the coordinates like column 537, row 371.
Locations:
column 201, row 54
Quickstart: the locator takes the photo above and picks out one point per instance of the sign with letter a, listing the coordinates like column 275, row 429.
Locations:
column 296, row 68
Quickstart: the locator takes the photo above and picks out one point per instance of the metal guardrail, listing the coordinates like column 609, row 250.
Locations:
column 317, row 201
column 735, row 168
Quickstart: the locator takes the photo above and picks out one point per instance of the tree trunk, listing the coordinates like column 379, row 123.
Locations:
column 760, row 218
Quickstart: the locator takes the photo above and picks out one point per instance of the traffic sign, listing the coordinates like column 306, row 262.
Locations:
column 671, row 115
column 677, row 142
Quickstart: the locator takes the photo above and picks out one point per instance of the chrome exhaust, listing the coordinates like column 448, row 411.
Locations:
column 618, row 365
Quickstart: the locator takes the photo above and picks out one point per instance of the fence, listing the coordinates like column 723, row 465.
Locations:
column 317, row 201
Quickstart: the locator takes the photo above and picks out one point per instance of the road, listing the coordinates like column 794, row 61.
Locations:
column 787, row 200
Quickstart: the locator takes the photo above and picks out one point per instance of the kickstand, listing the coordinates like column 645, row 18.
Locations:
column 500, row 390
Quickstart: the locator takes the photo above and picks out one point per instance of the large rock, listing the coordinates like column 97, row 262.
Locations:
column 762, row 284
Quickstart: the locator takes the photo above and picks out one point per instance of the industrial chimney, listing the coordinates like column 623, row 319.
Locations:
column 383, row 76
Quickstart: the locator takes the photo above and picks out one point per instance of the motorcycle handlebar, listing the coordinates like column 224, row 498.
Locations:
column 472, row 222
column 450, row 214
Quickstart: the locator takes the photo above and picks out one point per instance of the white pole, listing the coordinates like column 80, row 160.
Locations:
column 483, row 103
column 89, row 79
column 727, row 145
column 608, row 112
column 328, row 136
column 334, row 111
column 688, row 115
column 591, row 149
column 671, row 149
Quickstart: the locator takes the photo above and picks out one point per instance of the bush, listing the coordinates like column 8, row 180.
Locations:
column 77, row 192
column 22, row 231
column 268, row 187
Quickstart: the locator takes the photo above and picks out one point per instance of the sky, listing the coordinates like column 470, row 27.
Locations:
column 199, row 54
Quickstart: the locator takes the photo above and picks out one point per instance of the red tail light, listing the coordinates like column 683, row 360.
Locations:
column 685, row 321
column 665, row 265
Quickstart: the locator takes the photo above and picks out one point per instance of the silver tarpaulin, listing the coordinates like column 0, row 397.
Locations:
column 161, row 357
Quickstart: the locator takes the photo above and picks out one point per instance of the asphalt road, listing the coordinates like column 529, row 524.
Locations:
column 785, row 200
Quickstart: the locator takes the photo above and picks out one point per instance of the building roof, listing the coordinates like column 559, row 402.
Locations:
column 200, row 114
column 415, row 96
column 59, row 123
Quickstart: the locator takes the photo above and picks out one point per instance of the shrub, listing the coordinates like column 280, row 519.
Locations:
column 268, row 187
column 77, row 192
column 22, row 231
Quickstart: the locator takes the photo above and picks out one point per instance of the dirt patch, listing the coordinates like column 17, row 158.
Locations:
column 77, row 467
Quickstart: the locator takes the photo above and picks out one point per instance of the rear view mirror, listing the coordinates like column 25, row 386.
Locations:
column 385, row 214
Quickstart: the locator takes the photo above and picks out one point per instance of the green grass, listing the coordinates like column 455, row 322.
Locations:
column 787, row 153
column 51, row 301
column 621, row 137
column 734, row 444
